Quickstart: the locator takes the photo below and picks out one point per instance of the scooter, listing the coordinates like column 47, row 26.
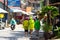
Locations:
column 12, row 27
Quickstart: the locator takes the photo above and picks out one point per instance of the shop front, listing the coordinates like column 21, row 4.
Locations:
column 17, row 14
column 3, row 23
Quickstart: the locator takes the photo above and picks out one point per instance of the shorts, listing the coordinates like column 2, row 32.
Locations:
column 26, row 30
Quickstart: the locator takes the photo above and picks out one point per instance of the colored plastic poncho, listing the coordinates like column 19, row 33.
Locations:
column 13, row 22
column 31, row 24
column 25, row 24
column 37, row 25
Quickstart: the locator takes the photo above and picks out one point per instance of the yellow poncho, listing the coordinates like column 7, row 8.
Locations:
column 31, row 23
column 25, row 24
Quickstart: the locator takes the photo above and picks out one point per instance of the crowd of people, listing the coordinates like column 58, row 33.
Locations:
column 28, row 25
column 31, row 25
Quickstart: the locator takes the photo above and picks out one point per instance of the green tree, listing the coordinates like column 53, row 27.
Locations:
column 51, row 12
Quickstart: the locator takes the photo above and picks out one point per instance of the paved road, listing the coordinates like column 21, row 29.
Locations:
column 17, row 34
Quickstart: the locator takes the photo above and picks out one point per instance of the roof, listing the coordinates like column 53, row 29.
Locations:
column 17, row 10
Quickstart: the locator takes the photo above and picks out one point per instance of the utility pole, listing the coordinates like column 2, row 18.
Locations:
column 4, row 4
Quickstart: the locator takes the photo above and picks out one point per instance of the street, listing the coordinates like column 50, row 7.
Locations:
column 17, row 34
column 40, row 18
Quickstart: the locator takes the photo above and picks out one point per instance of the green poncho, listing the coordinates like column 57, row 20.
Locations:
column 37, row 25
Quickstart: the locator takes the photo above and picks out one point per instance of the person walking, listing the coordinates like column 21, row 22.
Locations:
column 37, row 26
column 25, row 26
column 13, row 23
column 31, row 25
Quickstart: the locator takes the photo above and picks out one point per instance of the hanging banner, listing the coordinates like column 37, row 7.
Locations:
column 28, row 9
column 1, row 15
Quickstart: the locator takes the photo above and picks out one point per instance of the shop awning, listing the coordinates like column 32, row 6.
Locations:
column 3, row 11
column 17, row 10
column 30, row 13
